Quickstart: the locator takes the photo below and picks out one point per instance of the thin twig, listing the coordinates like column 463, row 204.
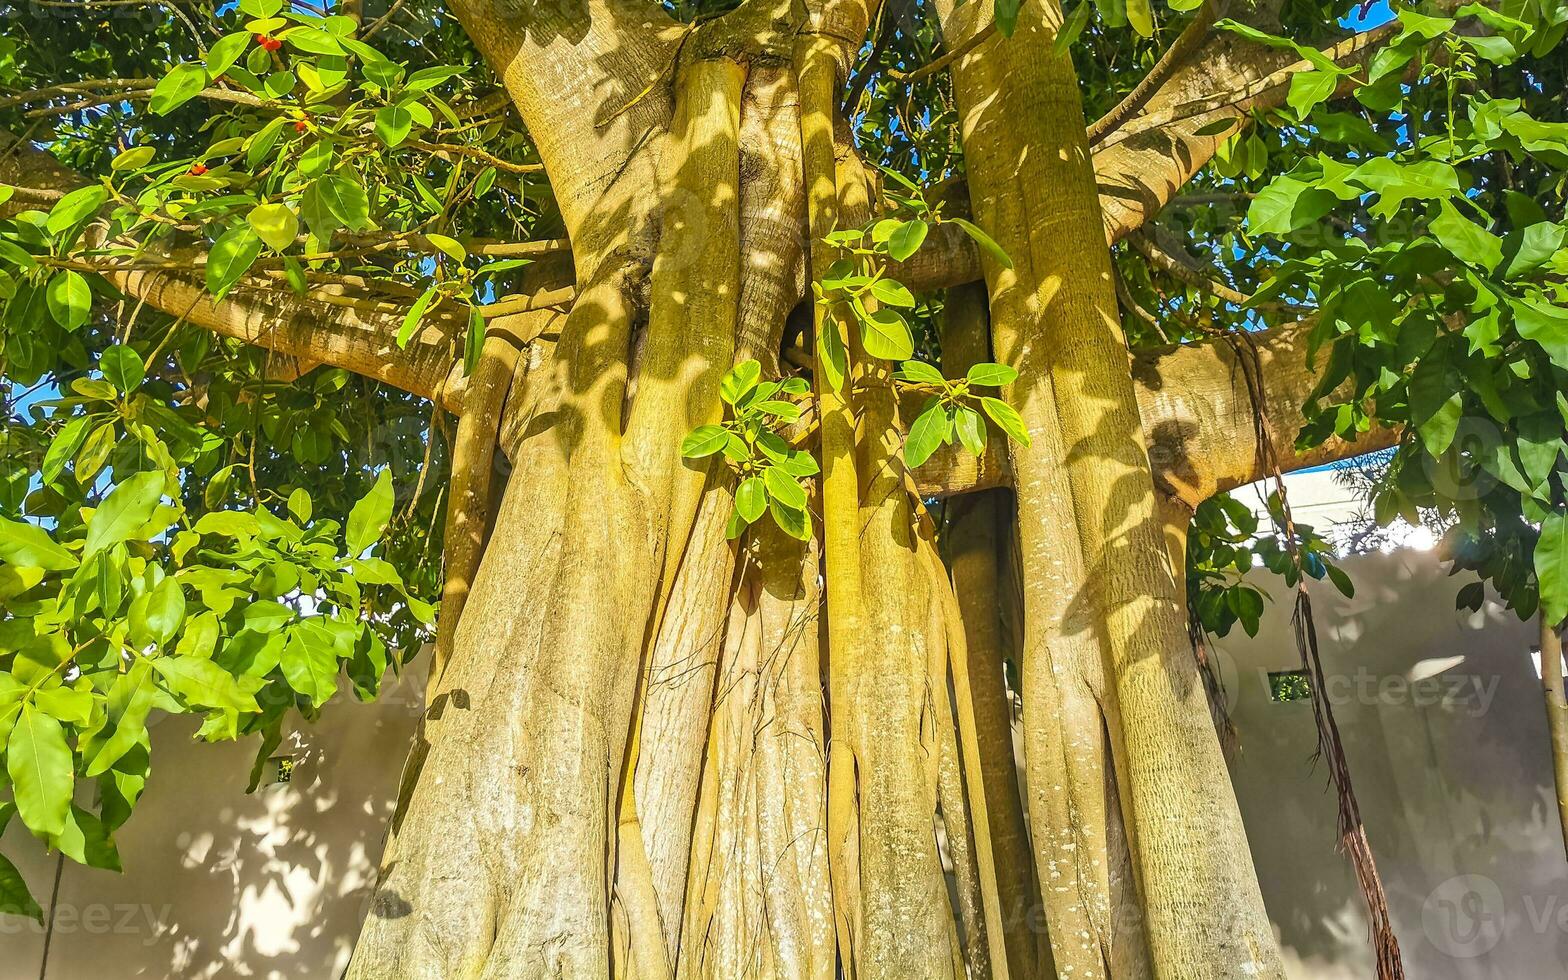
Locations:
column 926, row 71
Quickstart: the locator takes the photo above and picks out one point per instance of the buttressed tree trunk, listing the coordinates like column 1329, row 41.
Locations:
column 654, row 752
column 1120, row 648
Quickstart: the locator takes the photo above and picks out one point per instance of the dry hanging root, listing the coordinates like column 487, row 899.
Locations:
column 1352, row 832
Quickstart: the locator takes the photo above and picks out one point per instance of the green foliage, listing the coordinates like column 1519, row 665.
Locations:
column 1445, row 313
column 767, row 467
column 184, row 528
column 1224, row 545
column 238, row 616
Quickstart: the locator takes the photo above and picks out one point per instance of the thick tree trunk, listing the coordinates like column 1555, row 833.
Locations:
column 641, row 760
column 1054, row 316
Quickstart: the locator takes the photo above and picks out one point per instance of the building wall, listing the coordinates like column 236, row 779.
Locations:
column 1452, row 771
column 1445, row 733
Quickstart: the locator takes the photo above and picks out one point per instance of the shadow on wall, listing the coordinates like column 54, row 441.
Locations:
column 218, row 883
column 1446, row 738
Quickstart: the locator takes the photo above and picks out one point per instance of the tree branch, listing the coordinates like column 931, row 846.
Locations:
column 1146, row 161
column 1174, row 57
column 359, row 337
column 1198, row 417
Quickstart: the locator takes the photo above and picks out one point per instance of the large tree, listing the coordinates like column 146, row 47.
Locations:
column 828, row 384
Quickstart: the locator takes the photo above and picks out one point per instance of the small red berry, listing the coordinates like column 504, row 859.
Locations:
column 271, row 44
column 198, row 169
column 262, row 39
column 301, row 126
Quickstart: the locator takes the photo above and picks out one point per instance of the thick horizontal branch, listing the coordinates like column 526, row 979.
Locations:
column 1146, row 161
column 1198, row 418
column 356, row 336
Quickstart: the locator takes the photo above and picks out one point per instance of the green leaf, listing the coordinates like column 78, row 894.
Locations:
column 450, row 247
column 1395, row 183
column 1007, row 419
column 1545, row 324
column 275, row 224
column 1006, row 15
column 1551, row 567
column 751, row 498
column 230, row 258
column 799, row 463
column 39, row 763
column 1341, row 581
column 793, row 522
column 64, row 445
column 30, row 546
column 267, row 615
column 310, row 661
column 69, row 298
column 891, row 293
column 739, row 380
column 1309, row 88
column 907, row 239
column 931, row 428
column 133, row 159
column 415, row 314
column 1072, row 26
column 1247, row 604
column 885, row 334
column 784, row 488
column 183, row 83
column 225, row 51
column 1287, row 204
column 971, row 429
column 299, row 505
column 130, row 506
column 86, row 840
column 15, row 899
column 74, row 208
column 986, row 243
column 122, row 367
column 369, row 517
column 429, row 78
column 1435, row 404
column 704, row 440
column 157, row 615
column 1141, row 17
column 1468, row 241
column 1527, row 249
column 203, row 683
column 993, row 375
column 393, row 124
column 920, row 372
column 346, row 200
column 832, row 358
column 130, row 702
column 312, row 41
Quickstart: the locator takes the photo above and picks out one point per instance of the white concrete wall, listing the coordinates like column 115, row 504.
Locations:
column 218, row 883
column 1453, row 775
column 1445, row 734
